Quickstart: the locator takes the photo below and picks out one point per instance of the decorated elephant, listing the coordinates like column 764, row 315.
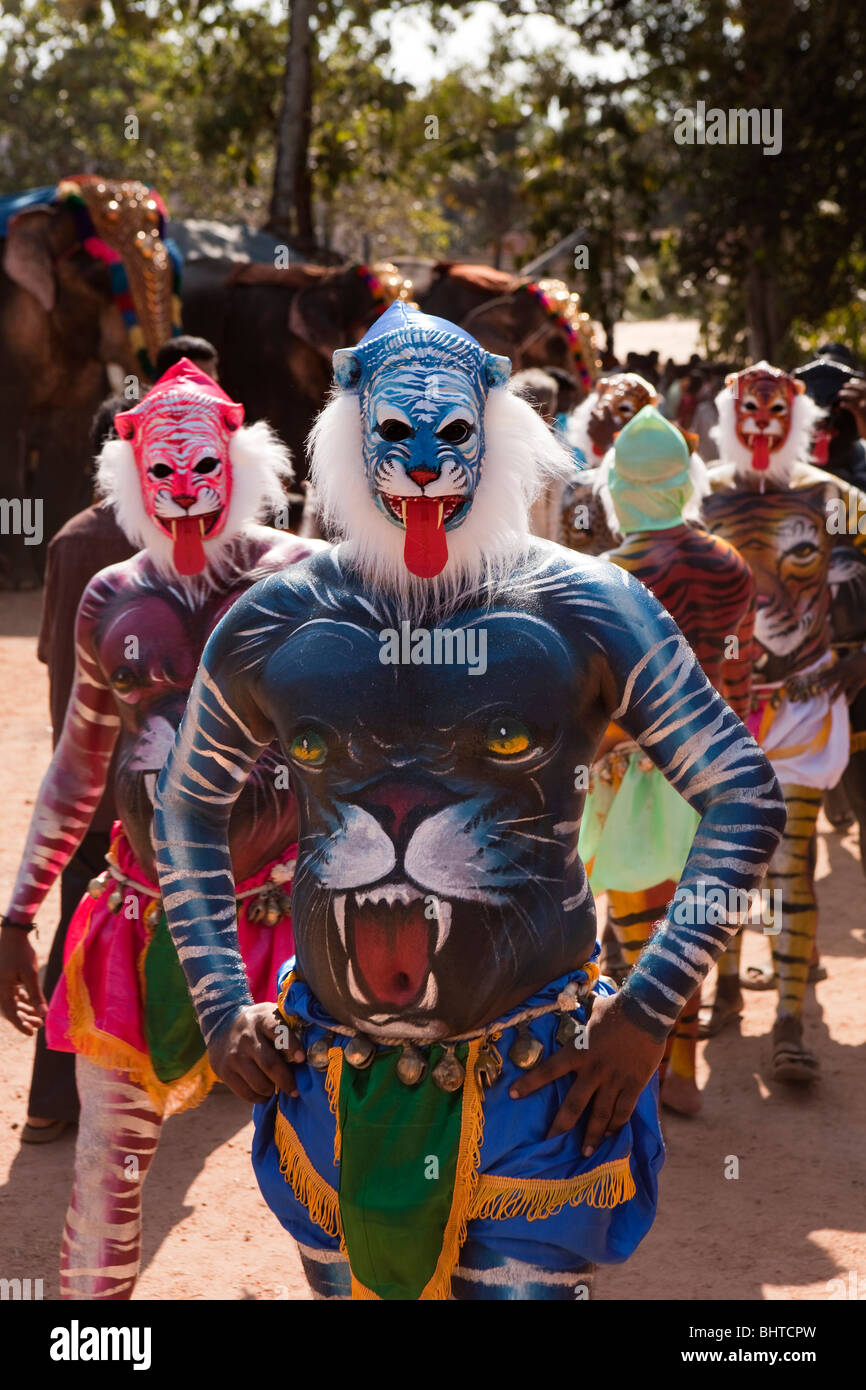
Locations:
column 276, row 329
column 87, row 280
column 535, row 323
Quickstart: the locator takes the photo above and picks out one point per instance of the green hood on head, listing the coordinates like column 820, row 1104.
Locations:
column 649, row 479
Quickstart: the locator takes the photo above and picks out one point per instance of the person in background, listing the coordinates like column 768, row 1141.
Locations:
column 87, row 542
column 197, row 350
column 541, row 390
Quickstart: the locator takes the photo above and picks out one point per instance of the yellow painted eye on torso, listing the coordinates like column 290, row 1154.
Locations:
column 309, row 748
column 507, row 737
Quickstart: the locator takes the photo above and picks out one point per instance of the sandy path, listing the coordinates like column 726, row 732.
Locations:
column 792, row 1221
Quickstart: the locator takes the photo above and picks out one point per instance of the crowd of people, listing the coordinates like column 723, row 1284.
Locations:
column 247, row 804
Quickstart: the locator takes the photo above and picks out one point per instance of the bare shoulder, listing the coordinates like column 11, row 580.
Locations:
column 722, row 477
column 281, row 548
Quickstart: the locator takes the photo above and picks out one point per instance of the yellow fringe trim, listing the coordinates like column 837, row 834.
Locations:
column 309, row 1187
column 499, row 1198
column 168, row 1097
column 287, row 984
column 332, row 1086
column 858, row 742
column 466, row 1180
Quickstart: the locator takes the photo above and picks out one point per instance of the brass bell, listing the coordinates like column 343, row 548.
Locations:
column 97, row 884
column 411, row 1066
column 488, row 1065
column 272, row 914
column 526, row 1050
column 317, row 1053
column 153, row 912
column 115, row 898
column 565, row 1031
column 448, row 1072
column 359, row 1051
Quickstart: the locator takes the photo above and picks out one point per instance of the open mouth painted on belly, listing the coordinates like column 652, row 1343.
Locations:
column 391, row 936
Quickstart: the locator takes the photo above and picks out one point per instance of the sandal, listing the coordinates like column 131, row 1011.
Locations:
column 43, row 1134
column 758, row 977
column 761, row 977
column 716, row 1016
column 793, row 1062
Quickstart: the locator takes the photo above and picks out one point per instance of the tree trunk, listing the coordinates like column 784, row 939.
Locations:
column 290, row 211
column 763, row 333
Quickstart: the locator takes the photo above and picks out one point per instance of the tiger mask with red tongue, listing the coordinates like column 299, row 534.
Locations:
column 765, row 422
column 424, row 463
column 185, row 476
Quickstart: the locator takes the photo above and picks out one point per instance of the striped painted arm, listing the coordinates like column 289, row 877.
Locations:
column 73, row 785
column 671, row 710
column 213, row 755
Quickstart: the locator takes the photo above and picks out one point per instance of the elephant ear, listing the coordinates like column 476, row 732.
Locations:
column 497, row 326
column 28, row 257
column 318, row 318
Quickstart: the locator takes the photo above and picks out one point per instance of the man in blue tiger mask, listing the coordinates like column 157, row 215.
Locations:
column 452, row 1103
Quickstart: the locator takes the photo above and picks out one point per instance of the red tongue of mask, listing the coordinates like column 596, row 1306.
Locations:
column 821, row 447
column 425, row 550
column 188, row 552
column 761, row 452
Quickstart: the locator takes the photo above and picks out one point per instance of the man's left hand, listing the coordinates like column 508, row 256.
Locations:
column 853, row 398
column 847, row 677
column 612, row 1070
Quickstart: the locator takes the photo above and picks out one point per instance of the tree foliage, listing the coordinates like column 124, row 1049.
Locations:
column 495, row 163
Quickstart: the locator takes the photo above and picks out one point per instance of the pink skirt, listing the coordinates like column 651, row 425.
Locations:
column 122, row 999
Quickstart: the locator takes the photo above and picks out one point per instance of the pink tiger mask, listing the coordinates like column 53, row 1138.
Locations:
column 180, row 435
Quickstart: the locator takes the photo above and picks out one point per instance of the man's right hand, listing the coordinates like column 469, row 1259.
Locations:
column 21, row 998
column 244, row 1054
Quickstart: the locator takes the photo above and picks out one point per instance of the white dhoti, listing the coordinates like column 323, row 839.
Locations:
column 807, row 741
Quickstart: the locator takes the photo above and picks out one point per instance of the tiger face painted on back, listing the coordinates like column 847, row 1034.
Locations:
column 783, row 537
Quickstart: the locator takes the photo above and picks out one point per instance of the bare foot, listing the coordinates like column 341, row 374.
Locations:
column 680, row 1093
column 35, row 1122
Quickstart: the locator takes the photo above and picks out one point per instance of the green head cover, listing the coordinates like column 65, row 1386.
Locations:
column 649, row 478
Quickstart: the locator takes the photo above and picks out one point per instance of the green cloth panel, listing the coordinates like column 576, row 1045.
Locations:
column 639, row 835
column 394, row 1211
column 174, row 1038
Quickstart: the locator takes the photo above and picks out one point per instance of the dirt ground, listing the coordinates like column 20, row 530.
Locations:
column 788, row 1225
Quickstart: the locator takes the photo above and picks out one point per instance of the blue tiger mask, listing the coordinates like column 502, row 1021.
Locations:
column 422, row 384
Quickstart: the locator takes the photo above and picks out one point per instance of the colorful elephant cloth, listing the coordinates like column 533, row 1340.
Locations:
column 122, row 1000
column 144, row 265
column 397, row 1178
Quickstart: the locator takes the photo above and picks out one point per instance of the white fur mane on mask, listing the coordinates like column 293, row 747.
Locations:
column 521, row 457
column 797, row 448
column 260, row 466
column 577, row 429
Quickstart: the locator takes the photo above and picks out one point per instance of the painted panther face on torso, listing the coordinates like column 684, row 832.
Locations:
column 437, row 818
